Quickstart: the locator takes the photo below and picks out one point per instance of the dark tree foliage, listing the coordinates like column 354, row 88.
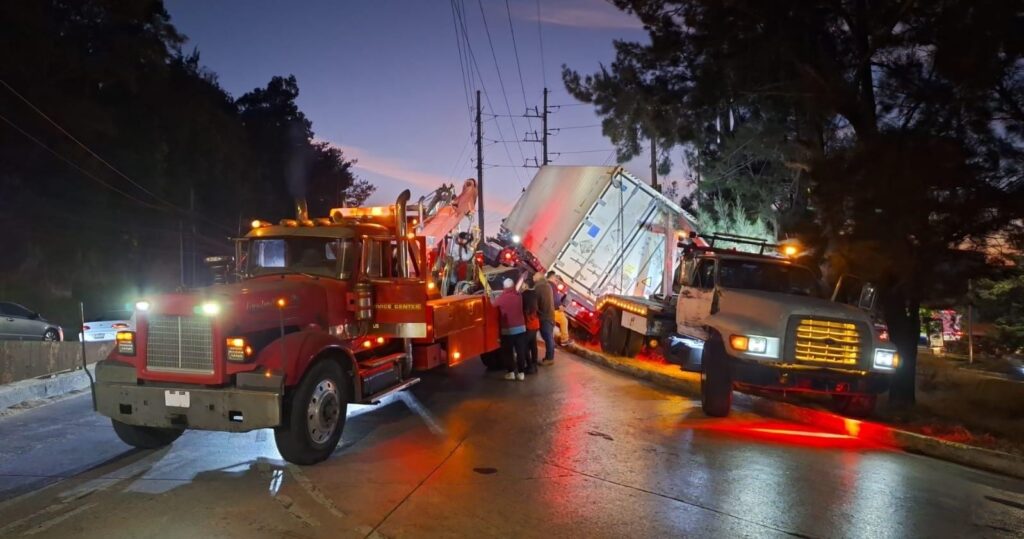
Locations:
column 907, row 118
column 189, row 164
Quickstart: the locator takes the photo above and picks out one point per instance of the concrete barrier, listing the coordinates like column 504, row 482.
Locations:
column 21, row 360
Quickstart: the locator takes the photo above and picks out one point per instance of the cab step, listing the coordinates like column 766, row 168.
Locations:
column 375, row 362
column 376, row 398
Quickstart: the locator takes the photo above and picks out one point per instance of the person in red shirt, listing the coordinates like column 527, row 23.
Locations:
column 512, row 323
column 532, row 313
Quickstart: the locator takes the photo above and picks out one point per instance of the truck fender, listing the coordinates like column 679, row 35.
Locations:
column 301, row 349
column 736, row 324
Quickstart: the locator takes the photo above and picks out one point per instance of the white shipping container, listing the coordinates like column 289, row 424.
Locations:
column 600, row 228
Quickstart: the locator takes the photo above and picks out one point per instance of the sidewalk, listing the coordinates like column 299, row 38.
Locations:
column 911, row 436
column 47, row 387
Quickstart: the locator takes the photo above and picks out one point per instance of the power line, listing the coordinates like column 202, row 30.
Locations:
column 519, row 67
column 77, row 167
column 460, row 9
column 497, row 68
column 582, row 151
column 100, row 159
column 467, row 81
column 78, row 142
column 540, row 36
column 575, row 127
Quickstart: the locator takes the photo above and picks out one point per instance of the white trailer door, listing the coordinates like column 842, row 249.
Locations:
column 606, row 254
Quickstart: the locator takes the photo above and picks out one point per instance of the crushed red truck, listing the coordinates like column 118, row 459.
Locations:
column 323, row 312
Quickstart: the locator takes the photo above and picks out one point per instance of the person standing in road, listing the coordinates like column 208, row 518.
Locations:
column 546, row 312
column 513, row 330
column 530, row 313
column 561, row 295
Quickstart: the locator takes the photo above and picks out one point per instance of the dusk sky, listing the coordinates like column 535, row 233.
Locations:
column 382, row 80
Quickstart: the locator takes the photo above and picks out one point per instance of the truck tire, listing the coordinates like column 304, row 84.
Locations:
column 145, row 437
column 492, row 359
column 613, row 335
column 314, row 415
column 715, row 380
column 855, row 405
column 634, row 343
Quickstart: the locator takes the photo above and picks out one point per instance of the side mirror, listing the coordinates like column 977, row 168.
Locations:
column 220, row 266
column 868, row 297
column 34, row 316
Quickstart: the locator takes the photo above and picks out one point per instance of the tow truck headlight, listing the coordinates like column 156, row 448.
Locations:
column 238, row 349
column 210, row 308
column 886, row 359
column 125, row 342
column 749, row 343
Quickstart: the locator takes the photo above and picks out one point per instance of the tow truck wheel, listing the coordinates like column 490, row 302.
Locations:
column 613, row 335
column 715, row 380
column 855, row 405
column 634, row 343
column 145, row 437
column 315, row 415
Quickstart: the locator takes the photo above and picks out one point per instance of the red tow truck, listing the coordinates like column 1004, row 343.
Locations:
column 323, row 312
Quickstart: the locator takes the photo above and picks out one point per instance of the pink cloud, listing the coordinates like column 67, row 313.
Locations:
column 421, row 182
column 597, row 14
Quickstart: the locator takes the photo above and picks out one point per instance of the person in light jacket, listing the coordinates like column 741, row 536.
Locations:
column 546, row 312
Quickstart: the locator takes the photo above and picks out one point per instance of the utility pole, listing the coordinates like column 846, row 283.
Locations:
column 192, row 221
column 654, row 165
column 480, row 165
column 544, row 120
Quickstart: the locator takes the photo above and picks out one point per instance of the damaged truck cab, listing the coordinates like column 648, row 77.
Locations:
column 323, row 312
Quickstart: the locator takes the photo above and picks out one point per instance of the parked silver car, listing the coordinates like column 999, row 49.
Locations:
column 20, row 323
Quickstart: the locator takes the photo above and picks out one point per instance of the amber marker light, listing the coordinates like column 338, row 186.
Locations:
column 739, row 342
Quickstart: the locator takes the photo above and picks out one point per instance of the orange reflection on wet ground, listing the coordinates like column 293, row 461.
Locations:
column 780, row 432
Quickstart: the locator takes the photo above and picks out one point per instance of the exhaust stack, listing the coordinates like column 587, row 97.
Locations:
column 400, row 227
column 301, row 210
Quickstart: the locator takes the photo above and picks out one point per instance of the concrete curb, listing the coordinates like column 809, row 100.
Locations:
column 911, row 442
column 42, row 388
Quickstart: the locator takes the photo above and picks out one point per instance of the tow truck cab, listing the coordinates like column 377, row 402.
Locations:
column 766, row 322
column 322, row 312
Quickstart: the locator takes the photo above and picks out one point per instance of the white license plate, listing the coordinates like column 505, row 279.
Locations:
column 98, row 336
column 177, row 399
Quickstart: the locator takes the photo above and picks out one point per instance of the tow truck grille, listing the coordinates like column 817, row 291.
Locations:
column 826, row 341
column 179, row 343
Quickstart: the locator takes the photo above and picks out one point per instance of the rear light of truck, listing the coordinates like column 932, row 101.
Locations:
column 238, row 349
column 125, row 343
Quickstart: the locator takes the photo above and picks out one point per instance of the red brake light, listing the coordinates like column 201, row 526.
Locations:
column 120, row 325
column 86, row 328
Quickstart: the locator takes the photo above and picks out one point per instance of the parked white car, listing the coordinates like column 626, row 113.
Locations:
column 106, row 326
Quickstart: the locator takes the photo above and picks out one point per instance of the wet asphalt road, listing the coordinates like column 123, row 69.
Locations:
column 577, row 451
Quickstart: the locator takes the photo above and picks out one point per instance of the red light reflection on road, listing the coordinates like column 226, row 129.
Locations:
column 786, row 433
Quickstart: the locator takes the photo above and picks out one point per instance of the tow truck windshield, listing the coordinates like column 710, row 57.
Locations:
column 768, row 276
column 326, row 257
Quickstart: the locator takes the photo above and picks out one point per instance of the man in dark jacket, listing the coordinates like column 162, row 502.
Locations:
column 530, row 312
column 513, row 330
column 546, row 312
